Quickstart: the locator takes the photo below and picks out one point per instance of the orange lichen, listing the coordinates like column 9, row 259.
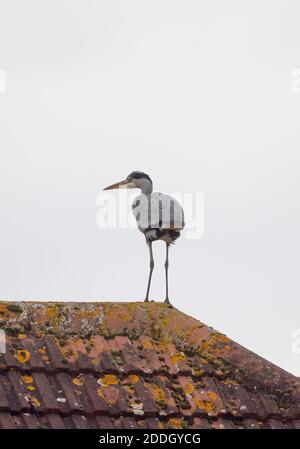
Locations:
column 3, row 311
column 67, row 348
column 42, row 352
column 133, row 378
column 223, row 338
column 227, row 347
column 34, row 401
column 157, row 392
column 177, row 357
column 147, row 344
column 100, row 392
column 209, row 403
column 199, row 372
column 27, row 379
column 78, row 381
column 208, row 406
column 22, row 355
column 230, row 382
column 129, row 390
column 175, row 423
column 212, row 396
column 189, row 389
column 52, row 312
column 108, row 379
column 21, row 336
column 203, row 361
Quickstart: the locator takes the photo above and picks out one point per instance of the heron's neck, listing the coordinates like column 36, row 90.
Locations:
column 147, row 188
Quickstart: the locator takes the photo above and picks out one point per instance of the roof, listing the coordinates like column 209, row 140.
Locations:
column 128, row 365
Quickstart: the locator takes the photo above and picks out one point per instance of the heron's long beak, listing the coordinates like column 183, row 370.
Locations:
column 127, row 184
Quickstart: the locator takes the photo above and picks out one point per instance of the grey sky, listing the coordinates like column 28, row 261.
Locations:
column 196, row 94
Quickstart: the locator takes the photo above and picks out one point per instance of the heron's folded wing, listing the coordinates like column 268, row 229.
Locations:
column 158, row 211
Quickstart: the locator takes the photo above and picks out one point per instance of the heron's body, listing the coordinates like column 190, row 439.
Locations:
column 158, row 216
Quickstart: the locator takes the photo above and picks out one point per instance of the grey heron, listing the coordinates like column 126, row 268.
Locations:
column 158, row 216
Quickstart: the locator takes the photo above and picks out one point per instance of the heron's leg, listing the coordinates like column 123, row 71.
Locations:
column 151, row 270
column 166, row 269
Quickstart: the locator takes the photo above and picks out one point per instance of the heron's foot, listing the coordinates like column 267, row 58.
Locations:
column 167, row 301
column 146, row 300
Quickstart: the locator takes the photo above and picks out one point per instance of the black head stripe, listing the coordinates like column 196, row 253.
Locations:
column 138, row 175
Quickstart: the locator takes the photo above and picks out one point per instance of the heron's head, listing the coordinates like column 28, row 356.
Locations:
column 135, row 180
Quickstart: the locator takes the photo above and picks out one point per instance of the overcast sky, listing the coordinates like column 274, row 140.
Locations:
column 199, row 95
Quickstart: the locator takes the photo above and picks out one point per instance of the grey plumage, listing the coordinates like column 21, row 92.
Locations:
column 158, row 216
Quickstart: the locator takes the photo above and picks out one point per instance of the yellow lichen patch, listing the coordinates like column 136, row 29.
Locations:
column 43, row 354
column 3, row 311
column 129, row 389
column 203, row 361
column 21, row 336
column 230, row 382
column 27, row 379
column 100, row 392
column 162, row 345
column 208, row 406
column 109, row 394
column 133, row 379
column 108, row 379
column 199, row 372
column 223, row 338
column 34, row 401
column 189, row 389
column 78, row 345
column 30, row 388
column 51, row 312
column 147, row 344
column 22, row 355
column 209, row 403
column 178, row 356
column 157, row 393
column 67, row 349
column 175, row 423
column 205, row 345
column 78, row 381
column 212, row 396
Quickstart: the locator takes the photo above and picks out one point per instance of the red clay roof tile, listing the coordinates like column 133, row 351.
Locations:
column 133, row 365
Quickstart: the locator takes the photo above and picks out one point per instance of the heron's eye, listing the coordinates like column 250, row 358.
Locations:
column 130, row 179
